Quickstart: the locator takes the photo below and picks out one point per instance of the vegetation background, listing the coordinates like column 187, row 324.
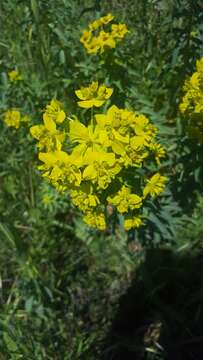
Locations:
column 68, row 292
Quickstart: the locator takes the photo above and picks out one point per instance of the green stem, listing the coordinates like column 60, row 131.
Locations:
column 92, row 116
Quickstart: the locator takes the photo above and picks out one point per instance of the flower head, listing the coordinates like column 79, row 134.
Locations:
column 93, row 95
column 124, row 200
column 14, row 75
column 131, row 222
column 155, row 185
column 12, row 118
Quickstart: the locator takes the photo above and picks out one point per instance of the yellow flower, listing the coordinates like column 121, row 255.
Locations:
column 84, row 200
column 14, row 75
column 85, row 38
column 92, row 46
column 54, row 112
column 95, row 24
column 105, row 39
column 110, row 123
column 101, row 21
column 47, row 134
column 89, row 138
column 155, row 185
column 132, row 222
column 61, row 169
column 93, row 95
column 124, row 200
column 101, row 168
column 95, row 219
column 12, row 118
column 107, row 18
column 49, row 137
column 119, row 30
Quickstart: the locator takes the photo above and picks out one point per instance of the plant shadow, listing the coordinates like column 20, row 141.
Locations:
column 161, row 314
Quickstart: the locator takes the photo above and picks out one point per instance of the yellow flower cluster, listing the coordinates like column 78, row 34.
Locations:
column 192, row 102
column 99, row 162
column 96, row 39
column 14, row 75
column 13, row 118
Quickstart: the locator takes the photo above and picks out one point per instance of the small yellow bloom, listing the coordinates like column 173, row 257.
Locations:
column 85, row 38
column 101, row 168
column 92, row 46
column 95, row 24
column 95, row 219
column 105, row 39
column 119, row 30
column 60, row 169
column 54, row 112
column 14, row 75
column 48, row 135
column 132, row 222
column 93, row 95
column 155, row 185
column 12, row 118
column 84, row 200
column 125, row 201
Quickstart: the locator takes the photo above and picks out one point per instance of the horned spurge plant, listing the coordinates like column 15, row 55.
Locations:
column 102, row 35
column 192, row 103
column 102, row 163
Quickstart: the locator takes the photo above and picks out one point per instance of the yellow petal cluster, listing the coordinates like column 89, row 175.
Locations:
column 155, row 185
column 93, row 95
column 47, row 134
column 192, row 103
column 132, row 222
column 14, row 75
column 13, row 118
column 100, row 35
column 98, row 162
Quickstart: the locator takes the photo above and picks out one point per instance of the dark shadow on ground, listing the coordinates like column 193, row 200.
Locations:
column 161, row 314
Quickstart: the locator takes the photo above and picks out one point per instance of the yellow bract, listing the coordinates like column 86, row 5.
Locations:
column 54, row 111
column 93, row 95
